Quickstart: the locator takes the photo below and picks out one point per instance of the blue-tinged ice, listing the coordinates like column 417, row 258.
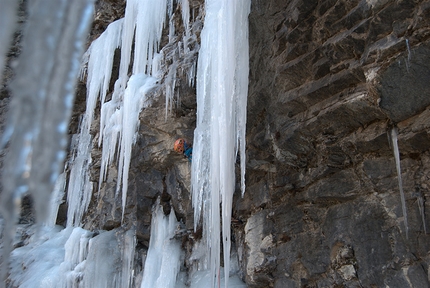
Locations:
column 79, row 189
column 8, row 23
column 99, row 60
column 164, row 254
column 74, row 257
column 37, row 264
column 222, row 86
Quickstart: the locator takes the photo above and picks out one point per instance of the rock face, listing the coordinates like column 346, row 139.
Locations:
column 328, row 81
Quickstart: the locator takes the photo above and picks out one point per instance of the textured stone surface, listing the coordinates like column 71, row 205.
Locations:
column 327, row 80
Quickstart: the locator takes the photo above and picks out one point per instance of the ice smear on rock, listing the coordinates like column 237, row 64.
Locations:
column 56, row 200
column 399, row 177
column 222, row 83
column 79, row 189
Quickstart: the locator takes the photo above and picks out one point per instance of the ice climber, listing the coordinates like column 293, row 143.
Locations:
column 182, row 146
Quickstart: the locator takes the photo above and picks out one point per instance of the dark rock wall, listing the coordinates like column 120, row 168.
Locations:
column 328, row 80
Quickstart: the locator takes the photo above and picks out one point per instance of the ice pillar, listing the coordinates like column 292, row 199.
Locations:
column 222, row 86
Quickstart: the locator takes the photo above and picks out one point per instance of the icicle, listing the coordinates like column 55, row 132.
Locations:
column 100, row 61
column 170, row 83
column 127, row 252
column 151, row 16
column 163, row 258
column 119, row 117
column 222, row 82
column 408, row 61
column 399, row 177
column 172, row 35
column 127, row 41
column 186, row 15
column 110, row 129
column 157, row 66
column 135, row 98
column 75, row 254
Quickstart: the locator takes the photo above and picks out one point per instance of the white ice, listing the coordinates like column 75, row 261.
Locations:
column 164, row 254
column 99, row 57
column 135, row 98
column 79, row 189
column 150, row 20
column 222, row 83
column 74, row 257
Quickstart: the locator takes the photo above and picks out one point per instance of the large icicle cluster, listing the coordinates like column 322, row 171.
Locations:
column 74, row 255
column 222, row 85
column 99, row 58
column 143, row 24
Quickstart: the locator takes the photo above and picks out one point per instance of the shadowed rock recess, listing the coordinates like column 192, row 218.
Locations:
column 322, row 207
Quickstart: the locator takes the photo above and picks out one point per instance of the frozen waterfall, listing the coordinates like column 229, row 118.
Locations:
column 222, row 87
column 74, row 257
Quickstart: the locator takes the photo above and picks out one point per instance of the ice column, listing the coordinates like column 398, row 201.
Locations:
column 222, row 85
column 41, row 107
column 163, row 259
